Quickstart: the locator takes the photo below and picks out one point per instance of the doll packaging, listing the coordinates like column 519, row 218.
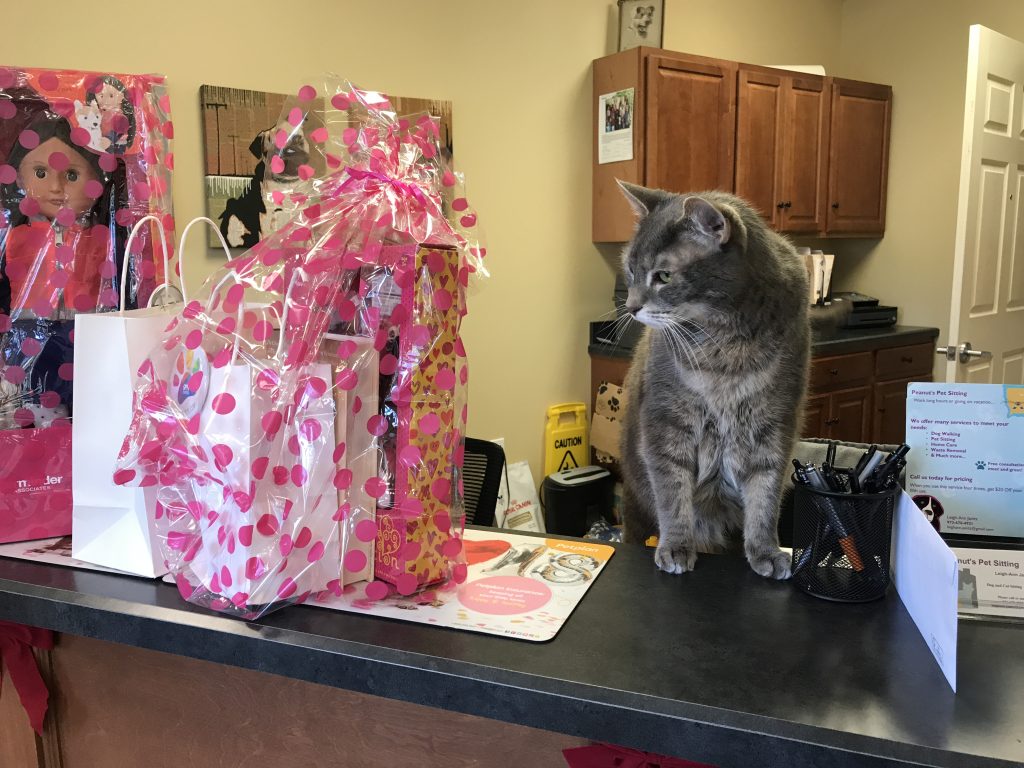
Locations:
column 83, row 157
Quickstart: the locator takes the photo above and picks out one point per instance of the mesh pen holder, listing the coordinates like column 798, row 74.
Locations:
column 841, row 543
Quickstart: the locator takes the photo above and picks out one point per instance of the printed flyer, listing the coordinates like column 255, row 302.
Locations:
column 965, row 469
column 991, row 582
column 615, row 127
column 517, row 586
column 56, row 551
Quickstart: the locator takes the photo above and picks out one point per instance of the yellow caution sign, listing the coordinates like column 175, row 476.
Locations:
column 565, row 438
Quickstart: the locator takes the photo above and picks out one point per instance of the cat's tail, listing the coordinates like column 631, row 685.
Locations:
column 828, row 318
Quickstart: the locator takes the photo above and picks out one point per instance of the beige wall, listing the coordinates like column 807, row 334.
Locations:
column 519, row 76
column 920, row 48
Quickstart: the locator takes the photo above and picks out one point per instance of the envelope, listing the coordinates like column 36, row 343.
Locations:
column 925, row 572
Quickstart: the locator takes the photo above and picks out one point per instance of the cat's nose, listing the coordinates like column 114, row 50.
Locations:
column 633, row 308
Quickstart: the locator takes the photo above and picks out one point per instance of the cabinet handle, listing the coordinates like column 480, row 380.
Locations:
column 834, row 371
column 835, row 205
column 789, row 204
column 831, row 422
column 781, row 205
column 906, row 359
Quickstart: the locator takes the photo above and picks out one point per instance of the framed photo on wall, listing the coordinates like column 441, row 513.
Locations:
column 641, row 22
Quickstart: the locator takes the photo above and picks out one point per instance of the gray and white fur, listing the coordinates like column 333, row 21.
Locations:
column 717, row 382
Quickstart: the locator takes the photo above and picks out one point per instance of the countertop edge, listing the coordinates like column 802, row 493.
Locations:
column 576, row 709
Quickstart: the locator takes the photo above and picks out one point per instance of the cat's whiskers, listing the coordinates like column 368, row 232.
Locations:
column 679, row 343
column 693, row 340
column 705, row 332
column 620, row 325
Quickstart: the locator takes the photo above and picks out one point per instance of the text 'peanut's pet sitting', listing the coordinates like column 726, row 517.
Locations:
column 717, row 381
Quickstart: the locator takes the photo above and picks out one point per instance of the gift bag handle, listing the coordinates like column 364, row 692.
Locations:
column 216, row 231
column 181, row 250
column 231, row 275
column 128, row 257
column 284, row 309
column 283, row 317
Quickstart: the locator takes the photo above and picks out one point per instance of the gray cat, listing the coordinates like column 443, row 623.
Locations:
column 717, row 382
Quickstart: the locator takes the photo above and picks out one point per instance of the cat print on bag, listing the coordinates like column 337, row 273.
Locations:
column 717, row 381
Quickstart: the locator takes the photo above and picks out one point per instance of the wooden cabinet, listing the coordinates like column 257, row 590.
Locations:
column 782, row 146
column 849, row 415
column 840, row 399
column 894, row 369
column 858, row 163
column 795, row 145
column 862, row 396
column 700, row 94
column 890, row 411
column 684, row 129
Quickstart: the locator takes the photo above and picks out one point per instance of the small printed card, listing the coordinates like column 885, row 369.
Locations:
column 991, row 582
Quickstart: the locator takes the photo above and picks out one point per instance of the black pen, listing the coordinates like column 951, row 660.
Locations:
column 854, row 483
column 865, row 459
column 889, row 470
column 869, row 467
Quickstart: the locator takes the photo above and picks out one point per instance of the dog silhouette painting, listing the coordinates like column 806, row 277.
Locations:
column 246, row 218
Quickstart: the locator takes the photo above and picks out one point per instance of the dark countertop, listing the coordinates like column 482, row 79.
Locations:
column 718, row 665
column 836, row 342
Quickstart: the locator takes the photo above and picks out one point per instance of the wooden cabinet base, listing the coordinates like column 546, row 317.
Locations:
column 121, row 707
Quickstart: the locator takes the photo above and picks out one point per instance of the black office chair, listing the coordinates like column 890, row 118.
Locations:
column 482, row 469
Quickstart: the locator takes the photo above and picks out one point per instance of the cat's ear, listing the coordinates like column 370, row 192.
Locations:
column 641, row 199
column 78, row 105
column 722, row 225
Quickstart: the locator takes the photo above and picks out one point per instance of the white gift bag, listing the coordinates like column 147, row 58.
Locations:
column 112, row 524
column 262, row 531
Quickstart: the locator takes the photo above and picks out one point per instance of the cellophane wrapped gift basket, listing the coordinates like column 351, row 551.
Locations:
column 303, row 417
column 84, row 156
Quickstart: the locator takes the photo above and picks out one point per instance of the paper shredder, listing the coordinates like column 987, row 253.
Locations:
column 574, row 499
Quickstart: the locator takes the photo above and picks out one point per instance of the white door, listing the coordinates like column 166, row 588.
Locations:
column 987, row 309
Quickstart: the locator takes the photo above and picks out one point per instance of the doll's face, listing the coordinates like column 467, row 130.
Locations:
column 109, row 98
column 54, row 189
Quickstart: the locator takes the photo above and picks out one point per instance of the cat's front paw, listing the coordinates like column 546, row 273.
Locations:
column 772, row 564
column 675, row 558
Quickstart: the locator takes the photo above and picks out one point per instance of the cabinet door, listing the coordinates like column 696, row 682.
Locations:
column 804, row 154
column 815, row 413
column 848, row 416
column 890, row 411
column 759, row 136
column 691, row 124
column 858, row 157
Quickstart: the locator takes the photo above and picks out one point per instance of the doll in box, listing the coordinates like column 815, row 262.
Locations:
column 54, row 201
column 55, row 245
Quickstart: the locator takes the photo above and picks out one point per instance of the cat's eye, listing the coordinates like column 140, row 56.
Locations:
column 663, row 277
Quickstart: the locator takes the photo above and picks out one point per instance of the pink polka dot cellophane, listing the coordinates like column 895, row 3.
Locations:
column 302, row 418
column 83, row 157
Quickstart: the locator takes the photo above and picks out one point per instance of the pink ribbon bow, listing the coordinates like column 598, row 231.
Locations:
column 406, row 188
column 16, row 644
